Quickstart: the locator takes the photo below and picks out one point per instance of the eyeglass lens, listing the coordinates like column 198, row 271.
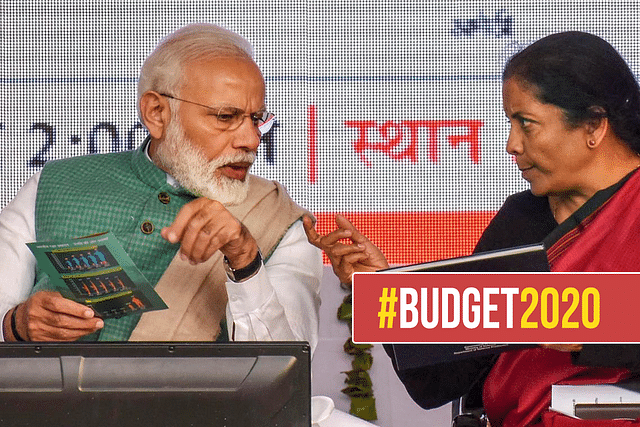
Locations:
column 228, row 118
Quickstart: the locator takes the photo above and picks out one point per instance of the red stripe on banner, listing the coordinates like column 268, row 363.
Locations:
column 413, row 237
column 495, row 307
column 312, row 135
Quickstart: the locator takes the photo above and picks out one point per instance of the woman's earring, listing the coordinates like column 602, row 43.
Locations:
column 591, row 143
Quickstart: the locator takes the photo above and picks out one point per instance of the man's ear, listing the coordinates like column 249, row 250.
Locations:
column 155, row 113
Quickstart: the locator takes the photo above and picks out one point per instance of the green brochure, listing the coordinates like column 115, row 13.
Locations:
column 97, row 272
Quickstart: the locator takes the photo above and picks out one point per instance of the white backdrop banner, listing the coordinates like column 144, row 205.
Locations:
column 388, row 111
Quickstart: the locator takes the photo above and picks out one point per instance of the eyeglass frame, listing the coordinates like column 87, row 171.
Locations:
column 263, row 128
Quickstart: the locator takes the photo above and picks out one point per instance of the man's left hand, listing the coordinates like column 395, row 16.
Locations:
column 205, row 226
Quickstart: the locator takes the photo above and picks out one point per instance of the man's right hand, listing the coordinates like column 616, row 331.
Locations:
column 48, row 316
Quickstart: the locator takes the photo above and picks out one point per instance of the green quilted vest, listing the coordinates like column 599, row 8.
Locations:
column 119, row 192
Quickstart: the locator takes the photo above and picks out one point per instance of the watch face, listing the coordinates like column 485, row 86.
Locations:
column 240, row 274
column 228, row 269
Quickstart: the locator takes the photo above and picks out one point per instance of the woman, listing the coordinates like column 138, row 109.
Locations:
column 574, row 109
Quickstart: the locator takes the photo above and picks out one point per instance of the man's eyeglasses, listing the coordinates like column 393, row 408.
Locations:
column 230, row 118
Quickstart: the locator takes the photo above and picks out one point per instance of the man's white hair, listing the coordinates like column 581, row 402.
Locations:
column 163, row 70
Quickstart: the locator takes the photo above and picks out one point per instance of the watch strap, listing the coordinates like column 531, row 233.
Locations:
column 244, row 273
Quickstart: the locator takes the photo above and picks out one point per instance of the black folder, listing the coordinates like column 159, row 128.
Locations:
column 530, row 258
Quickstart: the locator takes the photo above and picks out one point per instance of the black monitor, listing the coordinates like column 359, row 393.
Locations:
column 155, row 384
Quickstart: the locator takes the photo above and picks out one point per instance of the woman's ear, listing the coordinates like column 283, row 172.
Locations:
column 155, row 113
column 597, row 126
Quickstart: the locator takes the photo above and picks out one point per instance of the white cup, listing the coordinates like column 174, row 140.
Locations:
column 325, row 414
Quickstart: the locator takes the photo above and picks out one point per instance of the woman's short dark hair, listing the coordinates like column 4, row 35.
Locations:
column 584, row 76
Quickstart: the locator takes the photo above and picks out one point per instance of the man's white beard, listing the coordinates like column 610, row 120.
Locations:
column 187, row 164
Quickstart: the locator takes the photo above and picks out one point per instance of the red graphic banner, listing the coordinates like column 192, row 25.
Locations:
column 495, row 307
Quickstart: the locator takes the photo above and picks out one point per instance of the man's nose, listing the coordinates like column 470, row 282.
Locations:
column 247, row 135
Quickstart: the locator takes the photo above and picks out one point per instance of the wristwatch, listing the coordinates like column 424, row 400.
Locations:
column 244, row 273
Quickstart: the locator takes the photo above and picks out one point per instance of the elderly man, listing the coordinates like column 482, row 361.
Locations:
column 225, row 249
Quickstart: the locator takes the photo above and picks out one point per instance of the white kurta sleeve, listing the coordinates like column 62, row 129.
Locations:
column 17, row 263
column 281, row 302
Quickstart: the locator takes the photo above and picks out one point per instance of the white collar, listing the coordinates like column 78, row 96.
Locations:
column 170, row 179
